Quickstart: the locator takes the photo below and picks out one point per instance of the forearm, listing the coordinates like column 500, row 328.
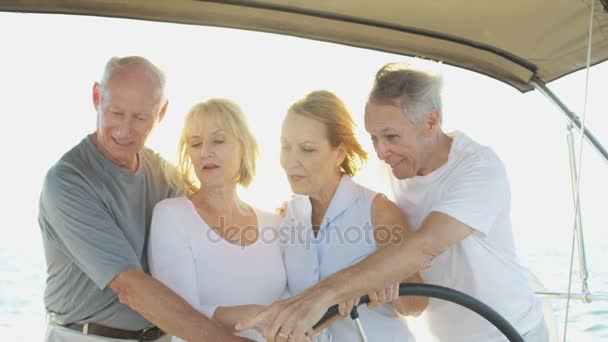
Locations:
column 397, row 259
column 388, row 265
column 161, row 306
column 228, row 316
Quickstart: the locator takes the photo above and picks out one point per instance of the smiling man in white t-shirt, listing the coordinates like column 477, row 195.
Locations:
column 456, row 188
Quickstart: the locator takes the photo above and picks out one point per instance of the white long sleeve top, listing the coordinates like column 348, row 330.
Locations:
column 207, row 271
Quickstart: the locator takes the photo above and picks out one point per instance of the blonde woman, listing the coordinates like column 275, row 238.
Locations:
column 210, row 247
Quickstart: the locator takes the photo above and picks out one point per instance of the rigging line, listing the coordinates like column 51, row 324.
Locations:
column 569, row 286
column 580, row 159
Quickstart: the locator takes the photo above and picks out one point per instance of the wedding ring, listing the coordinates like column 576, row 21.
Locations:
column 287, row 337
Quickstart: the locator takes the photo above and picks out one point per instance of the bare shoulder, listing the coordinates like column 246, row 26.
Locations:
column 385, row 211
column 388, row 221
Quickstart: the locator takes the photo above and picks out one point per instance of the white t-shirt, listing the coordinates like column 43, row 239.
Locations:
column 471, row 187
column 208, row 271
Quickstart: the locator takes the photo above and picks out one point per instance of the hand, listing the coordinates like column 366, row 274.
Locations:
column 382, row 296
column 228, row 316
column 290, row 319
column 251, row 311
column 345, row 308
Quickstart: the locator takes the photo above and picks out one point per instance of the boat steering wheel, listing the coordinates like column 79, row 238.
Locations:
column 440, row 292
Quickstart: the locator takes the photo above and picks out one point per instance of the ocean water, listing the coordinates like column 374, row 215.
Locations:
column 586, row 321
column 22, row 276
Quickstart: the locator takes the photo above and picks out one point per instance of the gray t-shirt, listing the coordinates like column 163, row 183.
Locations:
column 94, row 219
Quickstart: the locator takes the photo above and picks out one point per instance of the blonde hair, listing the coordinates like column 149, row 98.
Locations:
column 326, row 107
column 229, row 116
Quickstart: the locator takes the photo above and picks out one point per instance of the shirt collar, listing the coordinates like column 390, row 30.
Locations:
column 347, row 193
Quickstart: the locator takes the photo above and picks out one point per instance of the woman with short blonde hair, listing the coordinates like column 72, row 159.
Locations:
column 230, row 116
column 209, row 247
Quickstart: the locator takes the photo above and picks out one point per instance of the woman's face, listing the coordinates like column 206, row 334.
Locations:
column 307, row 157
column 216, row 155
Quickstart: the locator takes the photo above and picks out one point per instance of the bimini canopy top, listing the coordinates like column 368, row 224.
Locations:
column 512, row 41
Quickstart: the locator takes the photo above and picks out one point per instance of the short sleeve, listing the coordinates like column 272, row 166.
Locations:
column 74, row 216
column 477, row 193
column 171, row 258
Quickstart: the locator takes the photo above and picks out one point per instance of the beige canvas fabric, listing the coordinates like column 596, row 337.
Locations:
column 507, row 40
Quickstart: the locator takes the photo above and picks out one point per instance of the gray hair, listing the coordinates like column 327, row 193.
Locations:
column 151, row 71
column 417, row 92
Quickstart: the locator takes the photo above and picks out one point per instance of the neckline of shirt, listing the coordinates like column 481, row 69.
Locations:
column 343, row 198
column 110, row 165
column 209, row 228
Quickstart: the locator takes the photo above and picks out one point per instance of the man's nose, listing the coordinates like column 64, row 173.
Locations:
column 124, row 128
column 382, row 151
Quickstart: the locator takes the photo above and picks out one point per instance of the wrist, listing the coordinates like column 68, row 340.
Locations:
column 329, row 294
column 216, row 316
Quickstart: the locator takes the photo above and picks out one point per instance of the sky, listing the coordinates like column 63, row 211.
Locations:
column 48, row 65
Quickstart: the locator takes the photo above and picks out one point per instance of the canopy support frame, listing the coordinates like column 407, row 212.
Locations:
column 574, row 121
column 571, row 116
column 578, row 221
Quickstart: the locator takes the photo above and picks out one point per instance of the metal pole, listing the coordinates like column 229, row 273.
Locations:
column 354, row 315
column 360, row 331
column 578, row 221
column 573, row 118
column 600, row 296
column 574, row 121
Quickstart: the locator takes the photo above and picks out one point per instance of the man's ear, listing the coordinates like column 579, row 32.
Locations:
column 96, row 96
column 433, row 122
column 163, row 111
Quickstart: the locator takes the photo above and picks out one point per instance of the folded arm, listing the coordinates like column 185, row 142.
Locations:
column 389, row 228
column 161, row 306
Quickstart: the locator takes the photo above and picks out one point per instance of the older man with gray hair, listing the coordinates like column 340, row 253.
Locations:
column 95, row 211
column 455, row 195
